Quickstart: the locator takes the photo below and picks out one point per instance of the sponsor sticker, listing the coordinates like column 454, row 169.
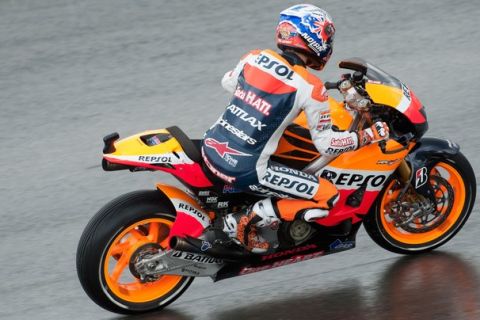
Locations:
column 194, row 257
column 230, row 189
column 244, row 116
column 289, row 183
column 341, row 245
column 298, row 258
column 222, row 205
column 279, row 68
column 155, row 159
column 342, row 142
column 237, row 132
column 288, row 252
column 214, row 170
column 224, row 151
column 388, row 162
column 353, row 179
column 421, row 177
column 324, row 121
column 205, row 245
column 251, row 99
column 211, row 200
column 192, row 211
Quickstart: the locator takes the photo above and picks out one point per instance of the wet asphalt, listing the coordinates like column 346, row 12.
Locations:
column 73, row 71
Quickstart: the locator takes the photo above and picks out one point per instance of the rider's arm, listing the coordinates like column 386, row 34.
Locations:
column 331, row 141
column 326, row 137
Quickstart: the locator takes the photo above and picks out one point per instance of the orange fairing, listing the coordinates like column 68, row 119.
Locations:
column 134, row 150
column 403, row 99
column 296, row 147
column 166, row 155
column 191, row 219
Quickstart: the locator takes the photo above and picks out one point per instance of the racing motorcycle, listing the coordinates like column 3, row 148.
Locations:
column 142, row 250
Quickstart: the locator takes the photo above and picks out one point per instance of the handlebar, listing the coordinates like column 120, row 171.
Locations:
column 331, row 85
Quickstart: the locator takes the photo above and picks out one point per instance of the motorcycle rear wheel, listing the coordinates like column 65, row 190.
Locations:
column 454, row 174
column 119, row 233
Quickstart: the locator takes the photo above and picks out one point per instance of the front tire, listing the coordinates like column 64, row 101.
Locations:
column 124, row 228
column 454, row 180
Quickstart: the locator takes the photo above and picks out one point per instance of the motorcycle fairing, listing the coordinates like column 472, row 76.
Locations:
column 351, row 169
column 169, row 155
column 191, row 219
column 322, row 244
column 423, row 157
column 387, row 90
column 372, row 169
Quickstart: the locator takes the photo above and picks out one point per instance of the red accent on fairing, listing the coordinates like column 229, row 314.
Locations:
column 265, row 81
column 413, row 111
column 186, row 225
column 342, row 211
column 191, row 174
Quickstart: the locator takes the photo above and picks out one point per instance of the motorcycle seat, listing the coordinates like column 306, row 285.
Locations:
column 191, row 149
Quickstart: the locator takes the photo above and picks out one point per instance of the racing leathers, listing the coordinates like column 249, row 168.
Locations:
column 269, row 91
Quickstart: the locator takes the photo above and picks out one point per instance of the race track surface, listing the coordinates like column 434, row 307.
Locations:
column 73, row 71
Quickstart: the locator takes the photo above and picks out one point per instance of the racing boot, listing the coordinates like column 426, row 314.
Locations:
column 256, row 228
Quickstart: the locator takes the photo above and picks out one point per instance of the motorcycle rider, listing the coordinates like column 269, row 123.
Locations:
column 269, row 90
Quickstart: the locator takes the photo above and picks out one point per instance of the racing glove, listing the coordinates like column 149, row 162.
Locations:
column 377, row 132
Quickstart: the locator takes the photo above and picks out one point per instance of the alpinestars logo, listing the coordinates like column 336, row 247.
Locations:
column 224, row 151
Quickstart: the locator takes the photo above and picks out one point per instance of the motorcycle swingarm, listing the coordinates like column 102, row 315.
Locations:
column 173, row 262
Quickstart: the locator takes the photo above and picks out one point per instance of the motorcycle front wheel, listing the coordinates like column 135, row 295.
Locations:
column 399, row 230
column 123, row 231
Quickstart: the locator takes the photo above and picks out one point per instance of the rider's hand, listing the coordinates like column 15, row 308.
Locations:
column 378, row 132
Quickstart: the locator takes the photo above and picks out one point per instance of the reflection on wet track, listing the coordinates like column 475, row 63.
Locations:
column 433, row 286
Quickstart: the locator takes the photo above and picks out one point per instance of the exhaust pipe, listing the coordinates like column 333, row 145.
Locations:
column 195, row 245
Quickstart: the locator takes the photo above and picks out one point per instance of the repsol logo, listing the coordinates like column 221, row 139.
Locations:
column 280, row 69
column 155, row 159
column 189, row 209
column 285, row 183
column 354, row 179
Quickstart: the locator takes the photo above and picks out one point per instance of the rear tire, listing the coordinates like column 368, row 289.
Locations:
column 110, row 242
column 459, row 175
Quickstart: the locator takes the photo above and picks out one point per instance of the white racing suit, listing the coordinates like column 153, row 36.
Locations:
column 269, row 91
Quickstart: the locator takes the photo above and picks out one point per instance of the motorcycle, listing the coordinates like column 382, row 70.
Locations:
column 142, row 250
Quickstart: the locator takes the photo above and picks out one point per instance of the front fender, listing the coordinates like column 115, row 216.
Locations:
column 423, row 157
column 191, row 219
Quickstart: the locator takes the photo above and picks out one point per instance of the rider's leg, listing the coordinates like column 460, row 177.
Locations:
column 318, row 207
column 244, row 226
column 318, row 197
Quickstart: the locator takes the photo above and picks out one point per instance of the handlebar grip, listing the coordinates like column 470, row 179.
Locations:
column 331, row 85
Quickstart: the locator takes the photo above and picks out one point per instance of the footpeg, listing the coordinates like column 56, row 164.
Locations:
column 311, row 215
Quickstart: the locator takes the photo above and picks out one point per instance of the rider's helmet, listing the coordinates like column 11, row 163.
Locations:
column 307, row 29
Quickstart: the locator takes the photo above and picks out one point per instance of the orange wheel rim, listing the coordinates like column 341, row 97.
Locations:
column 118, row 277
column 453, row 177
